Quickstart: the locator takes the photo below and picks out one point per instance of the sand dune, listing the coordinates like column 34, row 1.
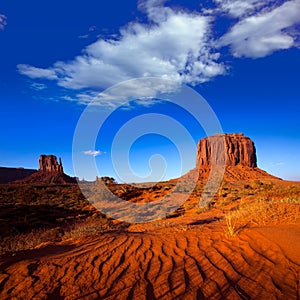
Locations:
column 199, row 263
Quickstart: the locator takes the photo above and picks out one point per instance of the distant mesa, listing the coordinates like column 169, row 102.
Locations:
column 12, row 174
column 50, row 172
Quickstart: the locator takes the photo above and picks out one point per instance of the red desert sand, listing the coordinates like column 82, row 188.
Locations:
column 197, row 262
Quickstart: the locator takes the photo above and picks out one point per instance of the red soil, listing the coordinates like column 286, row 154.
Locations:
column 170, row 263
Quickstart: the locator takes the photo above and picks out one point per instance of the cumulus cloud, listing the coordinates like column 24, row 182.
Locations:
column 93, row 152
column 174, row 45
column 265, row 32
column 3, row 22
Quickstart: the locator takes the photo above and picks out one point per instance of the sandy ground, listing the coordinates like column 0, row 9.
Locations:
column 195, row 262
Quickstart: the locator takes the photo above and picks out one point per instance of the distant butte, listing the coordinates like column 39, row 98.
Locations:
column 239, row 150
column 48, row 163
column 234, row 151
column 50, row 172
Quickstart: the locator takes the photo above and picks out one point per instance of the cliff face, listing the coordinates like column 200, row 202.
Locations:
column 235, row 149
column 48, row 163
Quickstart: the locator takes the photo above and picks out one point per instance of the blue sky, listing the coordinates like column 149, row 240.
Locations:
column 243, row 57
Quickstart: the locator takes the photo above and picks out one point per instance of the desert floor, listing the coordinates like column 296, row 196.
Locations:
column 245, row 248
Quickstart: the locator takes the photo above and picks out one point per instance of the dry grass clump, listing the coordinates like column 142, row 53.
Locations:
column 259, row 204
column 235, row 223
column 87, row 228
column 183, row 227
column 231, row 227
column 262, row 212
column 267, row 211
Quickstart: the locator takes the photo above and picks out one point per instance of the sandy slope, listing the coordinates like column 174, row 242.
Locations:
column 171, row 263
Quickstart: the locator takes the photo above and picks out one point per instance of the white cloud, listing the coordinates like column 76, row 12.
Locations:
column 241, row 8
column 145, row 90
column 175, row 45
column 92, row 28
column 38, row 86
column 155, row 10
column 277, row 164
column 84, row 36
column 137, row 89
column 34, row 72
column 93, row 152
column 265, row 32
column 3, row 22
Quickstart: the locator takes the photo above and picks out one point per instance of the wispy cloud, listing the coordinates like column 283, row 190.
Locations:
column 84, row 36
column 264, row 32
column 277, row 164
column 143, row 92
column 241, row 8
column 93, row 152
column 3, row 21
column 92, row 28
column 38, row 86
column 34, row 72
column 91, row 31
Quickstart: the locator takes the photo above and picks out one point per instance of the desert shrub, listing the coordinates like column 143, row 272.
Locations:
column 258, row 182
column 182, row 227
column 80, row 230
column 29, row 240
column 267, row 186
column 295, row 200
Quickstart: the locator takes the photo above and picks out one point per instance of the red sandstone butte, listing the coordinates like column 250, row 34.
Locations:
column 236, row 149
column 49, row 163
